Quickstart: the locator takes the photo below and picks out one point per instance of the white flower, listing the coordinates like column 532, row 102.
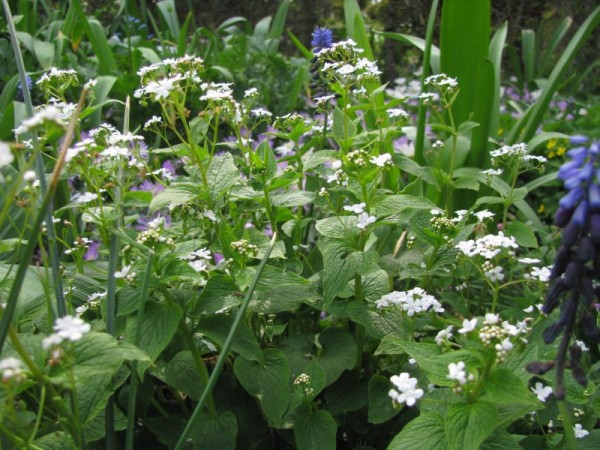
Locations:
column 260, row 112
column 11, row 368
column 490, row 172
column 153, row 120
column 491, row 319
column 540, row 273
column 6, row 156
column 398, row 112
column 579, row 431
column 582, row 346
column 436, row 212
column 494, row 274
column 413, row 301
column 406, row 389
column 482, row 215
column 123, row 272
column 444, row 335
column 356, row 209
column 198, row 265
column 85, row 197
column 66, row 328
column 542, row 392
column 381, row 160
column 29, row 176
column 90, row 84
column 96, row 296
column 505, row 345
column 210, row 215
column 364, row 220
column 529, row 309
column 456, row 371
column 468, row 326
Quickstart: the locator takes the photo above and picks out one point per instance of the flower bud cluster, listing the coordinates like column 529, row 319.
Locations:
column 413, row 301
column 577, row 261
column 244, row 248
column 303, row 381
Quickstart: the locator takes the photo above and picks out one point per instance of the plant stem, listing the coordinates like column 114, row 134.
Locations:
column 567, row 421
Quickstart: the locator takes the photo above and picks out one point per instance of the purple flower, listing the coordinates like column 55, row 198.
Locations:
column 92, row 251
column 322, row 38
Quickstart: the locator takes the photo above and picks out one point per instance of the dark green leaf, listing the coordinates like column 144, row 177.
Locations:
column 315, row 431
column 425, row 432
column 381, row 408
column 468, row 425
column 218, row 432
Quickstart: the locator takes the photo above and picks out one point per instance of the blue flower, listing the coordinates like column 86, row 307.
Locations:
column 577, row 261
column 322, row 38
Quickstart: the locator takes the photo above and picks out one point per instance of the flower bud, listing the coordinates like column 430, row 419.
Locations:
column 575, row 355
column 586, row 250
column 579, row 139
column 581, row 213
column 572, row 274
column 570, row 233
column 559, row 392
column 594, row 196
column 563, row 216
column 561, row 260
column 588, row 326
column 595, row 227
column 552, row 332
column 587, row 290
column 579, row 375
column 539, row 367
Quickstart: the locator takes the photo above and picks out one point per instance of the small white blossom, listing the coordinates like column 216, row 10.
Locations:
column 198, row 265
column 123, row 272
column 529, row 260
column 468, row 326
column 356, row 209
column 482, row 215
column 490, row 172
column 66, row 328
column 495, row 274
column 11, row 368
column 153, row 120
column 582, row 346
column 398, row 112
column 491, row 319
column 444, row 335
column 406, row 390
column 84, row 197
column 364, row 220
column 579, row 431
column 542, row 392
column 381, row 160
column 6, row 156
column 456, row 371
column 413, row 301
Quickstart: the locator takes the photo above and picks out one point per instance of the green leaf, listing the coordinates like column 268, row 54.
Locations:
column 425, row 432
column 101, row 354
column 57, row 440
column 338, row 354
column 175, row 195
column 291, row 198
column 217, row 328
column 528, row 51
column 182, row 374
column 396, row 204
column 381, row 324
column 468, row 425
column 267, row 381
column 218, row 432
column 315, row 431
column 381, row 408
column 355, row 27
column 522, row 233
column 343, row 127
column 157, row 329
column 340, row 265
column 318, row 158
column 169, row 13
column 221, row 175
column 92, row 396
column 220, row 292
column 338, row 227
column 500, row 440
column 502, row 386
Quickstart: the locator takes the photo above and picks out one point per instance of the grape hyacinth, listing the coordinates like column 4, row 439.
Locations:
column 322, row 38
column 576, row 264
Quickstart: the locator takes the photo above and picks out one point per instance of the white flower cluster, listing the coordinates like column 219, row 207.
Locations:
column 341, row 62
column 54, row 74
column 404, row 88
column 414, row 301
column 541, row 392
column 196, row 258
column 93, row 303
column 48, row 113
column 161, row 80
column 488, row 246
column 11, row 369
column 539, row 273
column 517, row 150
column 405, row 389
column 442, row 82
column 67, row 328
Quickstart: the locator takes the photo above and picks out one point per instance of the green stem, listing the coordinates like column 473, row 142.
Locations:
column 568, row 428
column 226, row 347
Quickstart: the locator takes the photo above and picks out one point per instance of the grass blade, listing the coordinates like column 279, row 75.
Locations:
column 528, row 50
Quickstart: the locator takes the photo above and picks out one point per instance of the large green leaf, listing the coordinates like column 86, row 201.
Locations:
column 182, row 374
column 178, row 194
column 468, row 424
column 221, row 175
column 461, row 52
column 217, row 328
column 217, row 432
column 381, row 408
column 380, row 324
column 396, row 204
column 425, row 432
column 341, row 264
column 502, row 386
column 315, row 431
column 157, row 329
column 267, row 380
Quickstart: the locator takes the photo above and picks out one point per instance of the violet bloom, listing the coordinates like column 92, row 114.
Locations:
column 92, row 251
